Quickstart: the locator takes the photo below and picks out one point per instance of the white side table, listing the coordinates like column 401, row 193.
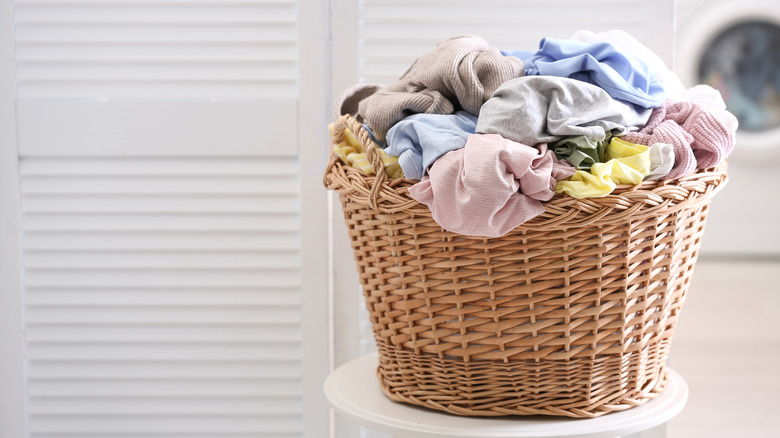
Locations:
column 354, row 392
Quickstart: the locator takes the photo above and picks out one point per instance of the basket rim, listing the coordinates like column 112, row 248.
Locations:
column 626, row 202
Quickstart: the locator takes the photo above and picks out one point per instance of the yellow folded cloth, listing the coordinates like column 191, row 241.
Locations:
column 351, row 152
column 628, row 163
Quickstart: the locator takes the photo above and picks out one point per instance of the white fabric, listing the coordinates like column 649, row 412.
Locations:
column 711, row 99
column 661, row 161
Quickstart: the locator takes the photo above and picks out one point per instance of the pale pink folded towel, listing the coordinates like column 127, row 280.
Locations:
column 490, row 186
column 699, row 139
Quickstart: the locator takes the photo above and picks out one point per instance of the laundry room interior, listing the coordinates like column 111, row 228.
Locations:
column 254, row 218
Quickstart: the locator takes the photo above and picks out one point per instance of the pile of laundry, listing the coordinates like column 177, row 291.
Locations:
column 491, row 134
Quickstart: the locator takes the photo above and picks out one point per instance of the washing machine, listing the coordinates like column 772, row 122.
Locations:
column 734, row 46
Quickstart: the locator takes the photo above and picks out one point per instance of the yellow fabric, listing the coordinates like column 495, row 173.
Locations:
column 629, row 153
column 628, row 163
column 351, row 152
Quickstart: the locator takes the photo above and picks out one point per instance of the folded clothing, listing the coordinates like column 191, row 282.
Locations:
column 490, row 186
column 418, row 140
column 543, row 109
column 350, row 151
column 461, row 72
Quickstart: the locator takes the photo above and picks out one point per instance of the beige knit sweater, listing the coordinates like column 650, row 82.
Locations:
column 461, row 72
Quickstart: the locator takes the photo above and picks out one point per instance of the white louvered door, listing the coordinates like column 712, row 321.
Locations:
column 375, row 41
column 86, row 68
column 171, row 253
column 162, row 296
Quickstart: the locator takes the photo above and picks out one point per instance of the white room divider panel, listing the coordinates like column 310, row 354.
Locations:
column 171, row 243
column 162, row 296
column 89, row 71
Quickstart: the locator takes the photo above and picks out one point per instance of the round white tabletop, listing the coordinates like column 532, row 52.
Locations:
column 353, row 391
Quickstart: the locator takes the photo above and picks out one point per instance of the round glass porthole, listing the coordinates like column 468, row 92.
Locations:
column 743, row 63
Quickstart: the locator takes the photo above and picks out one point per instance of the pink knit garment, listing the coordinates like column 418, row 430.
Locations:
column 700, row 140
column 490, row 186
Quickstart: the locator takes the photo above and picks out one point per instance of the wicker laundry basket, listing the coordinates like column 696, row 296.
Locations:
column 570, row 314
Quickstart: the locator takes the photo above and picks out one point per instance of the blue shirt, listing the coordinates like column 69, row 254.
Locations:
column 418, row 140
column 621, row 74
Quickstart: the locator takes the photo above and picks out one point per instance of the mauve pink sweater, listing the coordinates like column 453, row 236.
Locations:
column 699, row 139
column 490, row 186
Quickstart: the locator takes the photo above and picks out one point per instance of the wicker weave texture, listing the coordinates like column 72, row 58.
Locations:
column 571, row 313
column 580, row 388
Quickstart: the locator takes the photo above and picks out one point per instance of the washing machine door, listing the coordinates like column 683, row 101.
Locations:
column 734, row 46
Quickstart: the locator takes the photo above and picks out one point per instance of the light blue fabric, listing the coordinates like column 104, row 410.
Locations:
column 418, row 140
column 621, row 74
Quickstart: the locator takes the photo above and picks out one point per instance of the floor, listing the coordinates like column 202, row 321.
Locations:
column 727, row 347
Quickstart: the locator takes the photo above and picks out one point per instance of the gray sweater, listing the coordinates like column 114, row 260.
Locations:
column 542, row 109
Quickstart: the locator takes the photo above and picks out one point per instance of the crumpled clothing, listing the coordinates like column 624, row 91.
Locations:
column 626, row 163
column 418, row 140
column 626, row 43
column 543, row 109
column 661, row 156
column 385, row 108
column 623, row 75
column 661, row 161
column 490, row 186
column 581, row 151
column 461, row 72
column 711, row 99
column 699, row 139
column 602, row 179
column 351, row 152
column 519, row 53
column 347, row 102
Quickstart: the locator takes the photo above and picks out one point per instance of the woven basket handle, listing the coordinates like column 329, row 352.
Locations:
column 348, row 122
